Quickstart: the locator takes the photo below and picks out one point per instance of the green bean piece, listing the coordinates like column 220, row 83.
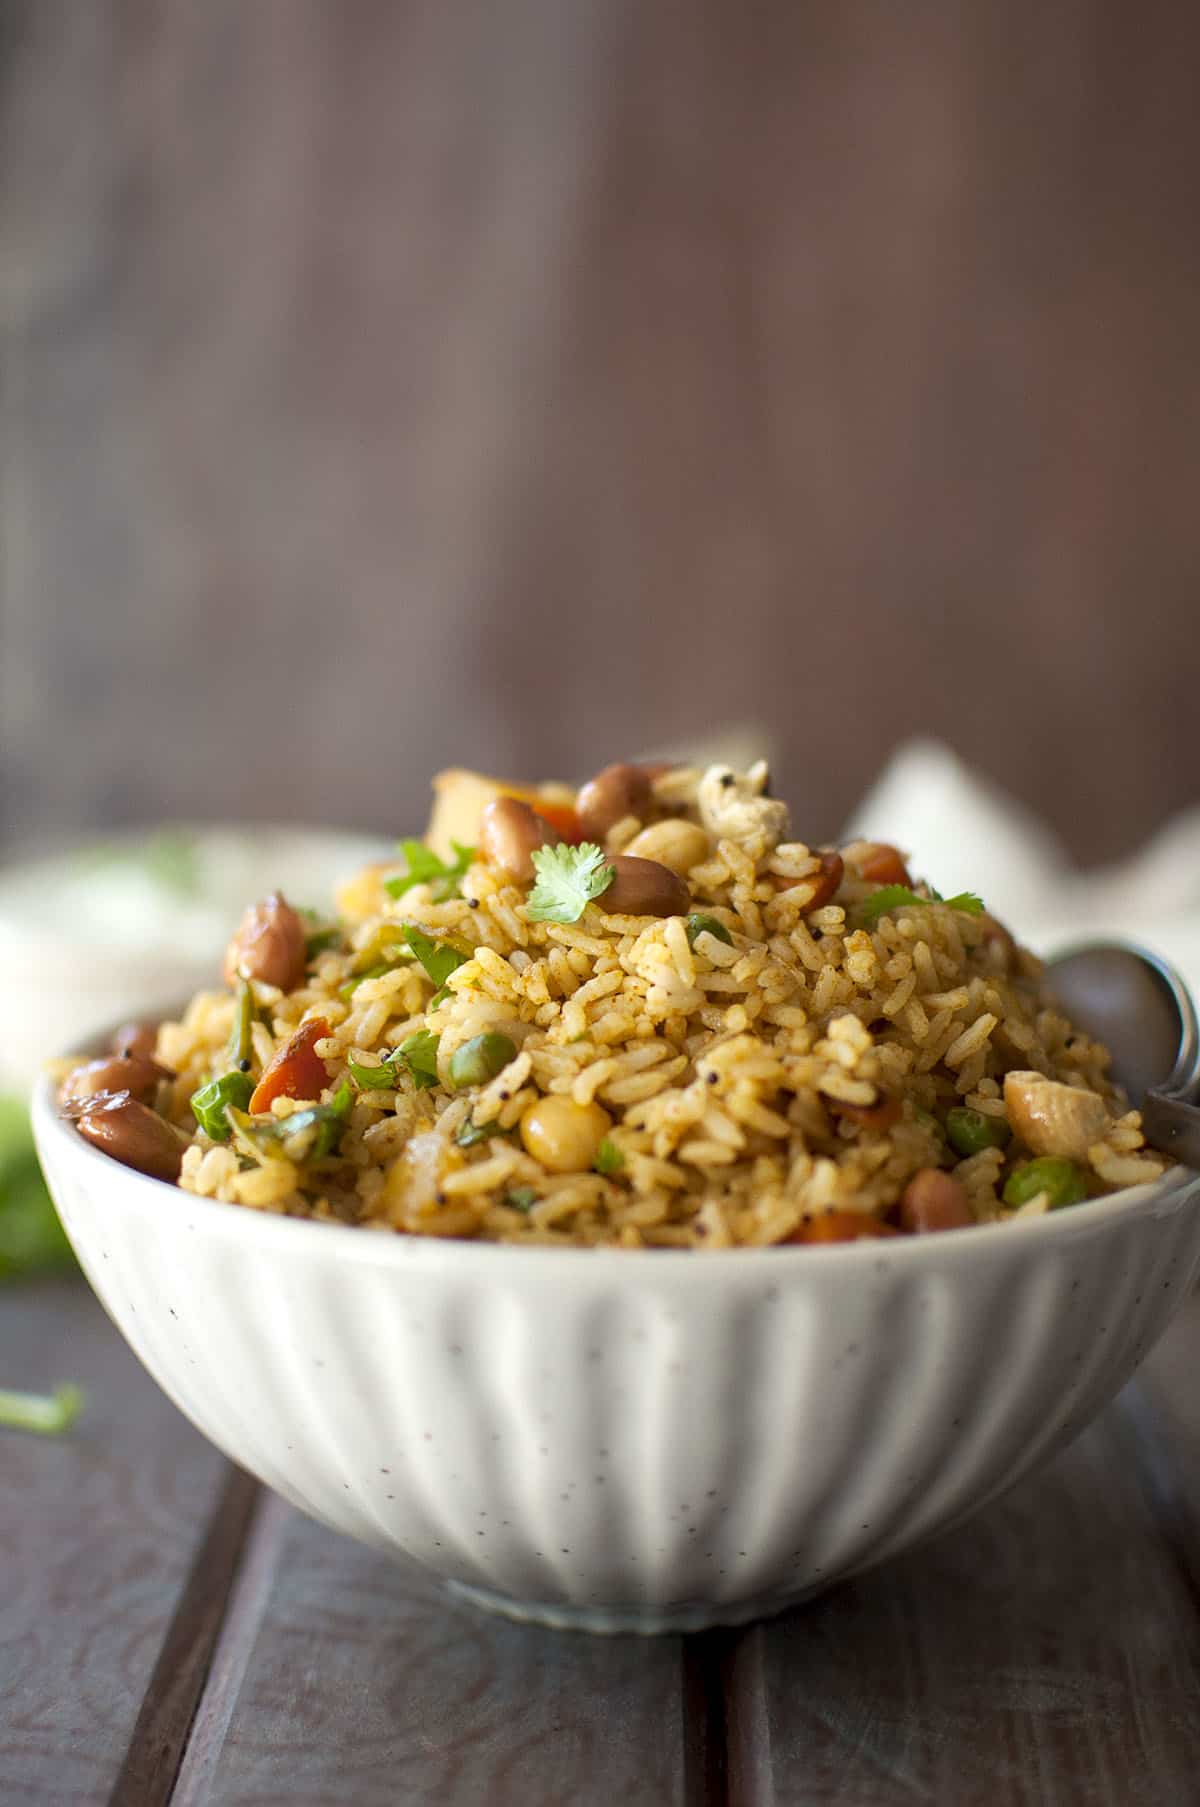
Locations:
column 481, row 1058
column 241, row 1044
column 1061, row 1178
column 208, row 1104
column 707, row 925
column 970, row 1131
column 609, row 1159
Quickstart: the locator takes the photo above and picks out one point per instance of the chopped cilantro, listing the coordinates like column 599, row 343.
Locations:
column 568, row 878
column 437, row 957
column 420, row 1052
column 305, row 1135
column 47, row 1413
column 373, row 1079
column 208, row 1104
column 521, row 1198
column 425, row 867
column 609, row 1158
column 898, row 897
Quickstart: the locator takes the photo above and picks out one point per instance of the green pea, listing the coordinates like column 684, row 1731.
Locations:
column 707, row 925
column 481, row 1058
column 971, row 1131
column 208, row 1104
column 1061, row 1178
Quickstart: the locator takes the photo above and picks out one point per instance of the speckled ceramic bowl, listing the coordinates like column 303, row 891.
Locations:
column 628, row 1441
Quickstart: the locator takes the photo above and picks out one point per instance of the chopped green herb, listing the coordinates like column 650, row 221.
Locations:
column 481, row 1058
column 471, row 1134
column 1054, row 1174
column 208, row 1104
column 241, row 1042
column 898, row 897
column 374, row 1079
column 49, row 1414
column 568, row 878
column 970, row 1132
column 609, row 1158
column 420, row 1052
column 425, row 867
column 707, row 925
column 437, row 957
column 306, row 1135
column 521, row 1198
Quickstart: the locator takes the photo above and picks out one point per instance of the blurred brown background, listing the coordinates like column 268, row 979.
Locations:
column 386, row 385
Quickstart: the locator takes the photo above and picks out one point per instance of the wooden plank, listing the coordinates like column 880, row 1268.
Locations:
column 719, row 343
column 98, row 1532
column 349, row 1677
column 1045, row 1654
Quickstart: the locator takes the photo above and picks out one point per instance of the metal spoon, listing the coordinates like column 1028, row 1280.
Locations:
column 1139, row 1006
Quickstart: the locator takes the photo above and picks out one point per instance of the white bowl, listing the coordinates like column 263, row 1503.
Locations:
column 613, row 1440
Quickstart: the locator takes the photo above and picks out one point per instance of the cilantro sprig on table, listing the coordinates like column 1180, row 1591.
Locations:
column 568, row 878
column 897, row 897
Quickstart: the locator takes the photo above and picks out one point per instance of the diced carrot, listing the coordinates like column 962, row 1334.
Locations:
column 297, row 1071
column 884, row 865
column 840, row 1226
column 561, row 816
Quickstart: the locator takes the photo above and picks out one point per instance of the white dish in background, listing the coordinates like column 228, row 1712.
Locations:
column 116, row 925
column 628, row 1440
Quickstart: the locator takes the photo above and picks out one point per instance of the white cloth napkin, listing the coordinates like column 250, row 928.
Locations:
column 964, row 834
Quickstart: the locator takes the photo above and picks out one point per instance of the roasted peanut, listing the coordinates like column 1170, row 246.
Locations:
column 881, row 864
column 674, row 843
column 616, row 792
column 135, row 1038
column 562, row 1135
column 644, row 888
column 934, row 1200
column 510, row 832
column 132, row 1133
column 136, row 1074
column 269, row 945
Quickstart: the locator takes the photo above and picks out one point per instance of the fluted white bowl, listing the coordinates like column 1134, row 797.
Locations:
column 616, row 1440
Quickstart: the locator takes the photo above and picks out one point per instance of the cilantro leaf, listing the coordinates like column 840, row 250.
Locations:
column 898, row 897
column 437, row 957
column 420, row 1051
column 568, row 878
column 471, row 1134
column 521, row 1198
column 373, row 1079
column 425, row 867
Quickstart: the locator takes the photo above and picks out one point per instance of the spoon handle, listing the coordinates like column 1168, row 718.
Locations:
column 1172, row 1126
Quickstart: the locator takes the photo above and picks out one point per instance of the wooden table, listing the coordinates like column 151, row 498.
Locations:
column 169, row 1631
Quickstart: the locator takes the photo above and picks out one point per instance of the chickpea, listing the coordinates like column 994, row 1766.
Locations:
column 644, row 888
column 674, row 843
column 136, row 1074
column 562, row 1135
column 135, row 1038
column 934, row 1201
column 269, row 945
column 616, row 792
column 133, row 1134
column 510, row 832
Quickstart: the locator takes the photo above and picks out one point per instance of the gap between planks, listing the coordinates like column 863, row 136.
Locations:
column 160, row 1735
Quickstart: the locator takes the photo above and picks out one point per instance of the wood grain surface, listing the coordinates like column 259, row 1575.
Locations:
column 171, row 1637
column 385, row 386
column 98, row 1533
